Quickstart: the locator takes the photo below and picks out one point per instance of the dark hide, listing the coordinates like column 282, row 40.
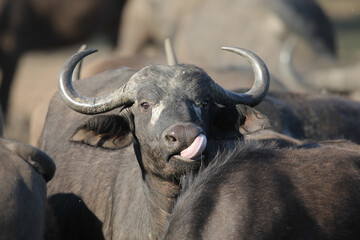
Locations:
column 119, row 165
column 24, row 171
column 313, row 116
column 257, row 192
column 300, row 15
column 37, row 24
column 1, row 124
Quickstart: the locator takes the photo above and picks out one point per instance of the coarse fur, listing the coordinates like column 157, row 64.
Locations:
column 261, row 192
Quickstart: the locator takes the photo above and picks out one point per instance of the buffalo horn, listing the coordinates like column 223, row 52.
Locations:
column 259, row 89
column 122, row 96
column 170, row 54
column 87, row 105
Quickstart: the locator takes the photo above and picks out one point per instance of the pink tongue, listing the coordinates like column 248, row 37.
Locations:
column 196, row 148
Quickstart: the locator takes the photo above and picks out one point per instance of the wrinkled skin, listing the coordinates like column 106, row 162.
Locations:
column 256, row 192
column 24, row 171
column 124, row 157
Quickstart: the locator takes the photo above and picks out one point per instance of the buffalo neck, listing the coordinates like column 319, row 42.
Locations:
column 160, row 195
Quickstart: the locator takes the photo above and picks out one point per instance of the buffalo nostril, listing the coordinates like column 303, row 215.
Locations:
column 180, row 136
column 170, row 139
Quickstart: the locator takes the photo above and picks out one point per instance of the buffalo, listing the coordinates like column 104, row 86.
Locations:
column 312, row 116
column 24, row 171
column 335, row 79
column 118, row 173
column 199, row 28
column 298, row 115
column 311, row 191
column 27, row 25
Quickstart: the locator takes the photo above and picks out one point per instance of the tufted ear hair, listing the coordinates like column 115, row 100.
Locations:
column 237, row 120
column 105, row 131
column 254, row 121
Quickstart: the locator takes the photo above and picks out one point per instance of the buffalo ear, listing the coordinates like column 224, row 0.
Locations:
column 36, row 158
column 254, row 121
column 233, row 121
column 106, row 131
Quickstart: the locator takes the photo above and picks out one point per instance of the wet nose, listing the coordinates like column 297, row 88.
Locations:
column 178, row 137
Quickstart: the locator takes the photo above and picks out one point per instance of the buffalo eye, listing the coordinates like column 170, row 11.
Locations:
column 205, row 103
column 145, row 105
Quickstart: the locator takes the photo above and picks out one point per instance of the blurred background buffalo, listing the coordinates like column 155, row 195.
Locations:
column 308, row 45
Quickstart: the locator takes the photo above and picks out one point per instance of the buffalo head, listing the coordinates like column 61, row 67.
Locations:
column 170, row 113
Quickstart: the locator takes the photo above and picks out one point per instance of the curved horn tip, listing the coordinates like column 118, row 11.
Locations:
column 82, row 104
column 85, row 52
column 82, row 47
column 247, row 54
column 78, row 56
column 262, row 78
column 170, row 53
column 75, row 58
column 241, row 51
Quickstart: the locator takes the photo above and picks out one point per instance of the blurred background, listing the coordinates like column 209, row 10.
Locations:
column 125, row 29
